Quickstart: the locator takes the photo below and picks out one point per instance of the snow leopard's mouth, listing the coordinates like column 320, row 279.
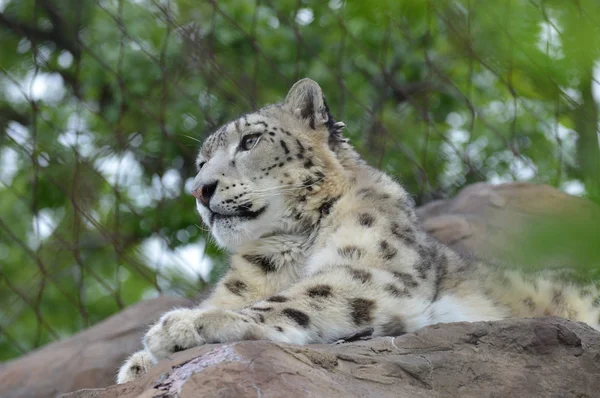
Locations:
column 243, row 215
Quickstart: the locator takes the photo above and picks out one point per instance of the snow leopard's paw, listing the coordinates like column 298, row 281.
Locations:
column 186, row 328
column 135, row 367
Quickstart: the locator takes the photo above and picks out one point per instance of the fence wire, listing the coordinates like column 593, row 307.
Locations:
column 103, row 104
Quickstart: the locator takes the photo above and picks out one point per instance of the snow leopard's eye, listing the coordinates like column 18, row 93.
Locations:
column 249, row 141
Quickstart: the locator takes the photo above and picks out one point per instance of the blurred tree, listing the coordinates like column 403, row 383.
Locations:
column 103, row 102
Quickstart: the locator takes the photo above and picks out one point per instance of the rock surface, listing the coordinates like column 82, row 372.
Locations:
column 482, row 219
column 543, row 357
column 492, row 221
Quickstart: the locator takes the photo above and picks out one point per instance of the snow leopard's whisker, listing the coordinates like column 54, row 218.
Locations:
column 202, row 229
column 281, row 187
column 289, row 187
column 192, row 138
column 267, row 195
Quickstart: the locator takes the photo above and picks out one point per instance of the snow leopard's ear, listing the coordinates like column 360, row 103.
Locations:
column 305, row 100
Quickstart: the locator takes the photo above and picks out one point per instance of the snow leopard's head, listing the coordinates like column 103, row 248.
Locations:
column 267, row 172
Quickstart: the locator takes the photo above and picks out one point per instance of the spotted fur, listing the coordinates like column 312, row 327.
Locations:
column 324, row 246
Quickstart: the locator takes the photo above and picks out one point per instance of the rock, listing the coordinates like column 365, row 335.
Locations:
column 482, row 219
column 493, row 221
column 533, row 357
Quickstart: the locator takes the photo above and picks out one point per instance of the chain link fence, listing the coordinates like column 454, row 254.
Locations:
column 103, row 104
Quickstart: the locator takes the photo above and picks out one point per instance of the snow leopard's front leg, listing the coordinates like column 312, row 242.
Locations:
column 321, row 308
column 264, row 268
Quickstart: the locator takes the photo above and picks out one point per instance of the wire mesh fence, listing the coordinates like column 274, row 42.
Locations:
column 104, row 102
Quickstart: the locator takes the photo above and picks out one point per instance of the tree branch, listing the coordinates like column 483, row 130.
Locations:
column 36, row 34
column 8, row 114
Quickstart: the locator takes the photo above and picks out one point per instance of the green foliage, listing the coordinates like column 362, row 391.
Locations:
column 441, row 94
column 566, row 243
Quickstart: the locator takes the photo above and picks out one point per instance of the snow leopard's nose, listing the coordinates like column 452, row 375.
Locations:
column 204, row 192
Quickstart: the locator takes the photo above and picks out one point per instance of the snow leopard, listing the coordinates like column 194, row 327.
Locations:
column 323, row 246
